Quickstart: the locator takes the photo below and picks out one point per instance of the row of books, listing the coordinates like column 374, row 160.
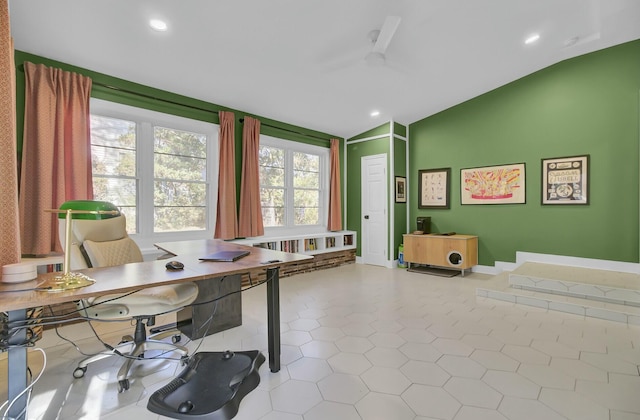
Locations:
column 310, row 244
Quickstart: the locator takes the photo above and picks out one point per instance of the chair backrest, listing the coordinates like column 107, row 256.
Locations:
column 100, row 243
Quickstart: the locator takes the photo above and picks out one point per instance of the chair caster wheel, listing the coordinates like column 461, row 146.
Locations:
column 176, row 338
column 123, row 385
column 79, row 372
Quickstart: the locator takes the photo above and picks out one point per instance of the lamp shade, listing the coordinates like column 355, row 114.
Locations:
column 89, row 205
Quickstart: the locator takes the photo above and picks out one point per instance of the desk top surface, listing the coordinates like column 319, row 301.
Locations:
column 129, row 277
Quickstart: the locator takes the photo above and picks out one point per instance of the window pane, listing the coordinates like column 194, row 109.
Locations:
column 306, row 170
column 306, row 204
column 173, row 219
column 113, row 159
column 306, row 216
column 179, row 155
column 272, row 216
column 271, row 176
column 178, row 142
column 175, row 193
column 179, row 206
column 180, row 167
column 119, row 191
column 271, row 156
column 272, row 163
column 272, row 201
column 180, row 158
column 305, row 179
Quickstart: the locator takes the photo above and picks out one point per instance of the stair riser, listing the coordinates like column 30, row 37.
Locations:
column 580, row 290
column 572, row 308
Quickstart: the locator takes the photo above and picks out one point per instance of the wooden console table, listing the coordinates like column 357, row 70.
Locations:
column 458, row 252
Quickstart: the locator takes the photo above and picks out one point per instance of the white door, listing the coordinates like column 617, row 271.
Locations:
column 374, row 209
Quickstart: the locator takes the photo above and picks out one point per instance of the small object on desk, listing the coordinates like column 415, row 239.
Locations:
column 271, row 261
column 418, row 232
column 174, row 265
column 225, row 256
column 445, row 234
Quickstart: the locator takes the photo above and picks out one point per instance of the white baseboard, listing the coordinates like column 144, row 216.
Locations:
column 621, row 266
column 523, row 257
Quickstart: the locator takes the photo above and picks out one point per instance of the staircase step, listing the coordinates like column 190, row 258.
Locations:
column 585, row 283
column 498, row 288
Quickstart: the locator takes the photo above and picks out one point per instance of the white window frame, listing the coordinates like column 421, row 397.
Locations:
column 145, row 121
column 323, row 152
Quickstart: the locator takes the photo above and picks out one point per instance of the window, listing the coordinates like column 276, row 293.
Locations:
column 293, row 184
column 159, row 169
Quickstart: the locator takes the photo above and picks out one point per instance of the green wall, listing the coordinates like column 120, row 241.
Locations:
column 167, row 102
column 585, row 105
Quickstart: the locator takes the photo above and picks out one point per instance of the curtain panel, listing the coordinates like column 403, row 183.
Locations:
column 227, row 212
column 56, row 153
column 9, row 222
column 334, row 221
column 250, row 219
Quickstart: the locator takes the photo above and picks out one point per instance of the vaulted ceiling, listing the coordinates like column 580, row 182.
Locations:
column 303, row 62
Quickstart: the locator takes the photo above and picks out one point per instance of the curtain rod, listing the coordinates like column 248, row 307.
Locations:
column 290, row 131
column 197, row 108
column 155, row 98
column 143, row 95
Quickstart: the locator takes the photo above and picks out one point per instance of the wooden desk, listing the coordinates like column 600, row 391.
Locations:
column 135, row 276
column 455, row 251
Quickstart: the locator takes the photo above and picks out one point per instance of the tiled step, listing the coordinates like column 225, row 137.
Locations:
column 585, row 283
column 499, row 288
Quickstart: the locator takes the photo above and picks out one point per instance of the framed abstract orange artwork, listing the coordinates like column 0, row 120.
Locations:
column 502, row 184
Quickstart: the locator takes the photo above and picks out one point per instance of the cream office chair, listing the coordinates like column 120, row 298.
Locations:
column 101, row 240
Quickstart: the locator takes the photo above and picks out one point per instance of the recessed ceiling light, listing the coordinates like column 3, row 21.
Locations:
column 533, row 38
column 158, row 25
column 375, row 113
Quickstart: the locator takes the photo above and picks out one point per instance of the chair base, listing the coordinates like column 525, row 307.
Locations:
column 133, row 350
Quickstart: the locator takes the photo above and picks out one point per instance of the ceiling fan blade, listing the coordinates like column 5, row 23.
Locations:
column 389, row 28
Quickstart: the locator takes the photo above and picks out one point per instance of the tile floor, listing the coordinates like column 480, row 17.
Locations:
column 362, row 342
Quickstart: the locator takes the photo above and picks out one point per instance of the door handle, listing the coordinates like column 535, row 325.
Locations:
column 366, row 217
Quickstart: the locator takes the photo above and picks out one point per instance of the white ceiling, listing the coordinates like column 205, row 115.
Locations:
column 302, row 61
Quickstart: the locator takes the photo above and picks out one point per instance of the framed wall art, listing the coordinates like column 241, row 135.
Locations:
column 401, row 189
column 565, row 180
column 501, row 184
column 434, row 188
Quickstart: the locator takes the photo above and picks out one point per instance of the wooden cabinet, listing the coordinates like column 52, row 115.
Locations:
column 454, row 251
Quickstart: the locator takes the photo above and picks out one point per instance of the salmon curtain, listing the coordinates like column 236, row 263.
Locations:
column 227, row 212
column 335, row 204
column 56, row 152
column 9, row 222
column 250, row 219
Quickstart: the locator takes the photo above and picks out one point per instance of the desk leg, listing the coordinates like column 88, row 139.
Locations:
column 273, row 318
column 17, row 367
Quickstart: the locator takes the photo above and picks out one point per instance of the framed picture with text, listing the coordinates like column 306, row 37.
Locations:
column 565, row 180
column 434, row 188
